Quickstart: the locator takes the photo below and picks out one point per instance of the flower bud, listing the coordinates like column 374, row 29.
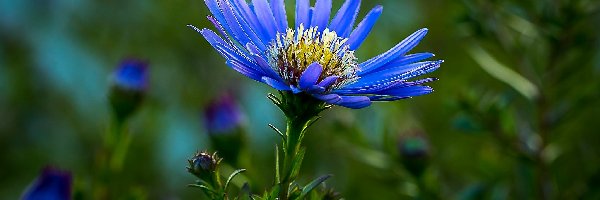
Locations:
column 51, row 184
column 129, row 83
column 330, row 194
column 414, row 152
column 224, row 120
column 203, row 165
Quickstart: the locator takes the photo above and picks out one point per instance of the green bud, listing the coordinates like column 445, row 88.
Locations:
column 414, row 153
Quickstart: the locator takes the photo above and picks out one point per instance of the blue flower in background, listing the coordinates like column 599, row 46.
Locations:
column 316, row 55
column 132, row 74
column 52, row 184
column 129, row 85
column 222, row 115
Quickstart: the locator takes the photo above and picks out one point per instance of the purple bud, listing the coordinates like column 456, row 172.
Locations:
column 52, row 184
column 222, row 115
column 132, row 74
column 203, row 165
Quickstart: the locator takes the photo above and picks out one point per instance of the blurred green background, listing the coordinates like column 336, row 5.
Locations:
column 512, row 116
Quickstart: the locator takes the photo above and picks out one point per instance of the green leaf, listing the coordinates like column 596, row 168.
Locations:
column 274, row 193
column 245, row 193
column 277, row 169
column 296, row 164
column 278, row 132
column 236, row 172
column 312, row 121
column 312, row 185
column 503, row 73
column 256, row 197
column 294, row 191
column 203, row 187
column 274, row 99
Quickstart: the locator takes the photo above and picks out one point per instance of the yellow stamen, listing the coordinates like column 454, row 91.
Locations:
column 292, row 52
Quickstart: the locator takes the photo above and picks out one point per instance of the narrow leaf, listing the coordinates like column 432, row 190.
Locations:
column 504, row 73
column 274, row 98
column 245, row 193
column 312, row 121
column 236, row 172
column 274, row 192
column 278, row 132
column 312, row 185
column 203, row 187
column 277, row 172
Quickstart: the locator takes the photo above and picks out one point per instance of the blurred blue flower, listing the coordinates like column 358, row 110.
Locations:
column 132, row 74
column 52, row 184
column 129, row 85
column 315, row 55
column 222, row 115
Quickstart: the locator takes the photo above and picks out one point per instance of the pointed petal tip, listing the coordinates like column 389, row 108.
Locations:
column 378, row 7
column 195, row 28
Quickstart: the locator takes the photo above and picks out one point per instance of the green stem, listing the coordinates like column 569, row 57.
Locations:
column 294, row 134
column 300, row 110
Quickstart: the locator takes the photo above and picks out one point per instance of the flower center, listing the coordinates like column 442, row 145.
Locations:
column 291, row 53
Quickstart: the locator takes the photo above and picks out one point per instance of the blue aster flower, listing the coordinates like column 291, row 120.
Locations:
column 129, row 83
column 315, row 55
column 132, row 74
column 52, row 184
column 223, row 115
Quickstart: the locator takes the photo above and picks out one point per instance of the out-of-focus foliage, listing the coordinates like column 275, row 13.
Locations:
column 512, row 116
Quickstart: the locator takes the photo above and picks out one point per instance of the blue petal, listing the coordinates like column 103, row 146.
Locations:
column 407, row 59
column 266, row 68
column 391, row 78
column 245, row 70
column 386, row 98
column 409, row 91
column 328, row 81
column 400, row 49
column 253, row 49
column 295, row 89
column 247, row 14
column 213, row 7
column 329, row 98
column 302, row 7
column 364, row 27
column 354, row 102
column 415, row 83
column 275, row 84
column 395, row 74
column 278, row 8
column 398, row 70
column 265, row 16
column 315, row 89
column 321, row 14
column 234, row 24
column 401, row 61
column 369, row 89
column 243, row 27
column 402, row 93
column 223, row 47
column 310, row 76
column 345, row 17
